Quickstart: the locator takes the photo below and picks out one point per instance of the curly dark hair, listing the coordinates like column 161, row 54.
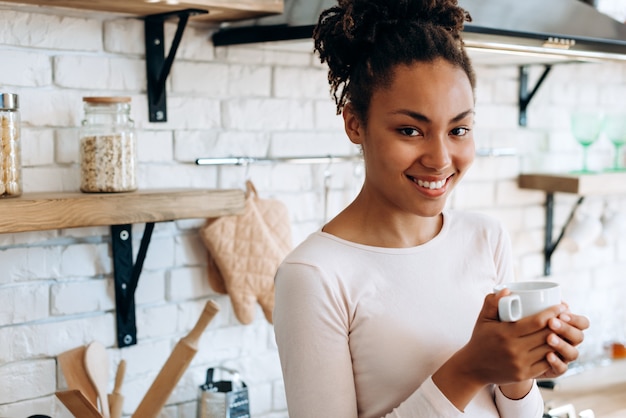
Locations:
column 362, row 41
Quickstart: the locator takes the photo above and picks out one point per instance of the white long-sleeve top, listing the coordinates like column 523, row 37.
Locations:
column 361, row 329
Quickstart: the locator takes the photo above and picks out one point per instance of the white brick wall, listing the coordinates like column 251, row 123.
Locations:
column 56, row 287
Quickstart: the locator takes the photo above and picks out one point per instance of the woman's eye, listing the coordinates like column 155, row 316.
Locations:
column 409, row 131
column 459, row 131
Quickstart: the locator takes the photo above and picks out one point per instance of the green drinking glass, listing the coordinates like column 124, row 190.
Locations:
column 586, row 126
column 615, row 131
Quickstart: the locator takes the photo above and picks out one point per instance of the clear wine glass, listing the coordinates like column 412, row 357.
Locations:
column 586, row 127
column 615, row 131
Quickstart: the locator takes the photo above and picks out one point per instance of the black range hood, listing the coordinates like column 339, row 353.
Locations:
column 533, row 30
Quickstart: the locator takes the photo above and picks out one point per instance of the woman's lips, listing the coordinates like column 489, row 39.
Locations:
column 429, row 184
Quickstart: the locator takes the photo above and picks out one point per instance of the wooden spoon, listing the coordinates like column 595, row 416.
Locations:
column 97, row 367
column 73, row 366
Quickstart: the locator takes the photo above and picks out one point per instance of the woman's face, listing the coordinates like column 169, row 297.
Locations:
column 417, row 142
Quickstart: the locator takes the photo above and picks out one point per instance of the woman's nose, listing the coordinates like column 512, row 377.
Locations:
column 437, row 154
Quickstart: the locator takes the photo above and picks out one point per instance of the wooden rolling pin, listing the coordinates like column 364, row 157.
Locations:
column 116, row 399
column 175, row 366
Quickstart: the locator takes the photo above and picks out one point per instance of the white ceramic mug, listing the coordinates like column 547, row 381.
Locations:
column 527, row 298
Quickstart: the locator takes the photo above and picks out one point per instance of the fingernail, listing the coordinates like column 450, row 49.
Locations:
column 565, row 317
column 553, row 340
column 555, row 323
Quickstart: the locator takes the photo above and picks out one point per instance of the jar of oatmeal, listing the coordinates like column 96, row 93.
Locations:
column 107, row 146
column 10, row 151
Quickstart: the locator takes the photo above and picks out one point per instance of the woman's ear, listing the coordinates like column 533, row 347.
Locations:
column 353, row 125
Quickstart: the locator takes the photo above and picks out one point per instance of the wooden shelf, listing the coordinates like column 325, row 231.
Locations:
column 219, row 10
column 580, row 184
column 44, row 211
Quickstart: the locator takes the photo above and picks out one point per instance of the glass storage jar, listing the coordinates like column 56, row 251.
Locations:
column 107, row 146
column 10, row 151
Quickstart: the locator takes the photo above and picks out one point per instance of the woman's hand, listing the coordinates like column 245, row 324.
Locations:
column 504, row 353
column 566, row 336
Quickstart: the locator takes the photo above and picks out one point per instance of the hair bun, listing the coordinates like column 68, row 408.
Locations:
column 352, row 31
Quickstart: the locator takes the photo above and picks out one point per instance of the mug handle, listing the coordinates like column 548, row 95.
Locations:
column 510, row 308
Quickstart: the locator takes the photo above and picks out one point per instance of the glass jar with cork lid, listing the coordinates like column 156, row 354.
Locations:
column 10, row 150
column 107, row 146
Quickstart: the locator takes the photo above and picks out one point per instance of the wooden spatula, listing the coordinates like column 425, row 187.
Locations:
column 78, row 404
column 72, row 364
column 97, row 367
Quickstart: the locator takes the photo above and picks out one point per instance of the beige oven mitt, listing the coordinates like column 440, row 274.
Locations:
column 245, row 251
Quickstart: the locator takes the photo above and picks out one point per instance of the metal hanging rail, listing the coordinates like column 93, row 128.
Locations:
column 320, row 159
column 270, row 160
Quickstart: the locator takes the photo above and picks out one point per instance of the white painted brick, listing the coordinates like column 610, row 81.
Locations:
column 25, row 68
column 146, row 357
column 227, row 144
column 496, row 116
column 156, row 321
column 37, row 147
column 21, row 264
column 248, row 80
column 294, row 83
column 57, row 108
column 82, row 260
column 188, row 283
column 27, row 237
column 154, row 146
column 472, row 195
column 326, row 116
column 200, row 78
column 23, row 303
column 50, row 179
column 183, row 112
column 160, row 253
column 189, row 224
column 92, row 234
column 254, row 55
column 263, row 114
column 509, row 194
column 27, row 380
column 170, row 176
column 191, row 145
column 89, row 72
column 151, row 287
column 51, row 338
column 506, row 91
column 189, row 250
column 75, row 297
column 118, row 32
column 66, row 145
column 300, row 144
column 49, row 31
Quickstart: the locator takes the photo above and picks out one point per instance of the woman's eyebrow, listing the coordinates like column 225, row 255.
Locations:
column 423, row 118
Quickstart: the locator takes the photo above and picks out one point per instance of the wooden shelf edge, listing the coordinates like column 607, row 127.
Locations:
column 580, row 184
column 219, row 10
column 46, row 211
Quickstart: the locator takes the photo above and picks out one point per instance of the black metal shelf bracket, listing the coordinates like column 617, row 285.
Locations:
column 550, row 246
column 126, row 277
column 157, row 65
column 525, row 94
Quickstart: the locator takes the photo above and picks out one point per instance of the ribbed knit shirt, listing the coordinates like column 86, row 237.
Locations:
column 361, row 329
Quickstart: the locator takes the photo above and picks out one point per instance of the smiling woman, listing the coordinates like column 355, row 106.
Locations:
column 387, row 311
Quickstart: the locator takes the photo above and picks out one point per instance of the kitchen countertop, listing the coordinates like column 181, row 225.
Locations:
column 601, row 389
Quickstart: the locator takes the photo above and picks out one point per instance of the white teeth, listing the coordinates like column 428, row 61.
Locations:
column 432, row 185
